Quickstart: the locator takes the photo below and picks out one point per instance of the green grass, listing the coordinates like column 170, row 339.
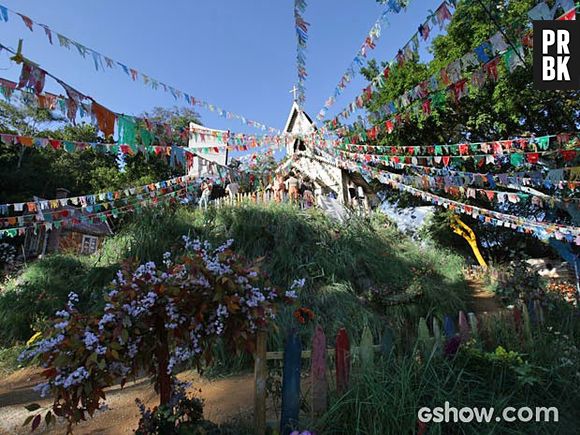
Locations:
column 386, row 399
column 340, row 262
column 9, row 360
column 42, row 288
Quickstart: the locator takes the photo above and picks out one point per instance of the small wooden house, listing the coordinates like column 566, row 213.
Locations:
column 83, row 238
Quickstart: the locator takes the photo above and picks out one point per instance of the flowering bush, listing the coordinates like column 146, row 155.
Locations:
column 156, row 317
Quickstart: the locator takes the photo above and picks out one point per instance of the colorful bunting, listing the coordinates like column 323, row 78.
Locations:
column 393, row 6
column 134, row 74
column 448, row 80
column 410, row 50
column 302, row 39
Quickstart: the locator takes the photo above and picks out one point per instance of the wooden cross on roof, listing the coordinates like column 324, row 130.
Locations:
column 294, row 91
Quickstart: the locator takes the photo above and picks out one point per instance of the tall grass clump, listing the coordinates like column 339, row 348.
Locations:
column 42, row 288
column 360, row 272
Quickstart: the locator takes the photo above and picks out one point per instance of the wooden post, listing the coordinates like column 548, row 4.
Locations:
column 260, row 376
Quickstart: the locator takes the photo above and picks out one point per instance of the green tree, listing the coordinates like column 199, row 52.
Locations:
column 505, row 108
column 25, row 172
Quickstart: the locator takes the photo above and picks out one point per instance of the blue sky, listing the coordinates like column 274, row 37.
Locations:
column 239, row 55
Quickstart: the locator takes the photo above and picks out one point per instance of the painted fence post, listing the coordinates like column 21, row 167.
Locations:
column 463, row 327
column 387, row 342
column 437, row 335
column 342, row 361
column 423, row 337
column 318, row 372
column 518, row 321
column 448, row 327
column 366, row 350
column 527, row 326
column 473, row 324
column 291, row 384
column 260, row 376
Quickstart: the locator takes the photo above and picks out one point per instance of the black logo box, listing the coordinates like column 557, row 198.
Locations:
column 573, row 46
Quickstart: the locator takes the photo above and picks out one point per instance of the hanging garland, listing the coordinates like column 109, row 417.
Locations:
column 89, row 202
column 409, row 51
column 96, row 218
column 102, row 63
column 301, row 39
column 541, row 230
column 393, row 6
column 452, row 79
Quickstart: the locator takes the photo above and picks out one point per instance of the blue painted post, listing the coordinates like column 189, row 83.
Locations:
column 291, row 384
column 448, row 327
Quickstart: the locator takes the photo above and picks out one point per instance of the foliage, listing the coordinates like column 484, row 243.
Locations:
column 7, row 256
column 27, row 172
column 541, row 372
column 42, row 288
column 181, row 415
column 9, row 359
column 509, row 107
column 156, row 317
column 171, row 126
column 518, row 281
column 491, row 241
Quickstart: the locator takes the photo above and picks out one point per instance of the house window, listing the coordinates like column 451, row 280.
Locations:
column 89, row 245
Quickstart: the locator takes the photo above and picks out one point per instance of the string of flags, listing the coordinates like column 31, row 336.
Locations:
column 104, row 63
column 542, row 230
column 516, row 151
column 131, row 127
column 452, row 79
column 515, row 159
column 51, row 215
column 454, row 187
column 301, row 39
column 69, row 218
column 393, row 6
column 409, row 51
column 89, row 200
column 101, row 116
column 497, row 148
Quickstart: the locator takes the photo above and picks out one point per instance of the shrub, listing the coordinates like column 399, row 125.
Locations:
column 42, row 289
column 156, row 317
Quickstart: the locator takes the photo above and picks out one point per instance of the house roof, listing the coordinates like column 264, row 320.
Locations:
column 93, row 229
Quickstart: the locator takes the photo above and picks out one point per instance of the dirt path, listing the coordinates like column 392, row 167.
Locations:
column 482, row 301
column 225, row 400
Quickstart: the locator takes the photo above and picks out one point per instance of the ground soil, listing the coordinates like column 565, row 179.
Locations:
column 481, row 300
column 225, row 400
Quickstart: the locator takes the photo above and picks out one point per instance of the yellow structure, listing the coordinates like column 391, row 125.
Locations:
column 459, row 227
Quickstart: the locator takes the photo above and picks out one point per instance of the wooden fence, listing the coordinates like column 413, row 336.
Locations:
column 429, row 340
column 261, row 197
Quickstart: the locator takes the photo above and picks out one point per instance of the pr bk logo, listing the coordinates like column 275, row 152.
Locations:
column 557, row 55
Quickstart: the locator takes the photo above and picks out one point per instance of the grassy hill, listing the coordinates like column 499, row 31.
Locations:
column 357, row 273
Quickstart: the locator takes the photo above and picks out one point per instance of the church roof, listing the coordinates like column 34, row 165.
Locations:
column 293, row 117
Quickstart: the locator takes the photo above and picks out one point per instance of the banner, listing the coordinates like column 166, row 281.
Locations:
column 369, row 43
column 301, row 40
column 542, row 230
column 85, row 201
column 451, row 80
column 103, row 63
column 409, row 51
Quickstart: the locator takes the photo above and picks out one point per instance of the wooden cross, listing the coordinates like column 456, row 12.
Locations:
column 294, row 91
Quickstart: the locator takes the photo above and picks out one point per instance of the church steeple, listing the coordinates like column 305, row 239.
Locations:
column 298, row 123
